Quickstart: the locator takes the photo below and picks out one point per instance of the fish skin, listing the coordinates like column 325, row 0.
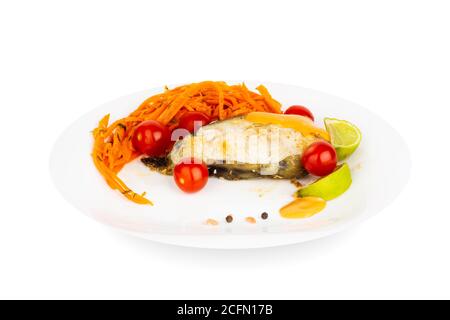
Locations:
column 227, row 160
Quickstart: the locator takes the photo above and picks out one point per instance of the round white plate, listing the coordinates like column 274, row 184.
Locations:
column 380, row 169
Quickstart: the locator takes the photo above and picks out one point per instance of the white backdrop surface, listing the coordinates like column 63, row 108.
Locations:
column 58, row 60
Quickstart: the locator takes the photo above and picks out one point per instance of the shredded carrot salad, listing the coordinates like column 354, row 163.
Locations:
column 113, row 142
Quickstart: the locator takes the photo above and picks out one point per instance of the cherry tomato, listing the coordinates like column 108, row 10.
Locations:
column 301, row 111
column 151, row 138
column 190, row 175
column 193, row 120
column 320, row 158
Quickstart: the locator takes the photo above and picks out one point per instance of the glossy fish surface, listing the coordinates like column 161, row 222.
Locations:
column 236, row 149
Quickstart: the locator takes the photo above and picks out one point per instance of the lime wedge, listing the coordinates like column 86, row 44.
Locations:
column 345, row 137
column 329, row 187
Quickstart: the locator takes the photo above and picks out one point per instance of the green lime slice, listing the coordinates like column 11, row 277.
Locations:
column 329, row 187
column 345, row 137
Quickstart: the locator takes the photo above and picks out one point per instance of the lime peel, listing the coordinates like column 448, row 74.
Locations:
column 345, row 136
column 329, row 187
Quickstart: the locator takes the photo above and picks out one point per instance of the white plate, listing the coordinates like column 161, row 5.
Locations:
column 380, row 169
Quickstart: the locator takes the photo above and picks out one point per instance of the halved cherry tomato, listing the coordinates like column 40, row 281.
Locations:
column 151, row 138
column 193, row 120
column 300, row 110
column 190, row 175
column 320, row 158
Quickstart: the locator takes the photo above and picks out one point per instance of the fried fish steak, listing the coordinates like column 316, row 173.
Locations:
column 237, row 149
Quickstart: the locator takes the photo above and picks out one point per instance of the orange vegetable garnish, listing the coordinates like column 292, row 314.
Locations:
column 112, row 143
column 302, row 124
column 303, row 208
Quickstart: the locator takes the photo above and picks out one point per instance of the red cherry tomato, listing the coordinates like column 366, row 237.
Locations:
column 193, row 120
column 301, row 111
column 151, row 138
column 190, row 175
column 320, row 158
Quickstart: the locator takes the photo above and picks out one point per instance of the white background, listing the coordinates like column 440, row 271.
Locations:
column 60, row 59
